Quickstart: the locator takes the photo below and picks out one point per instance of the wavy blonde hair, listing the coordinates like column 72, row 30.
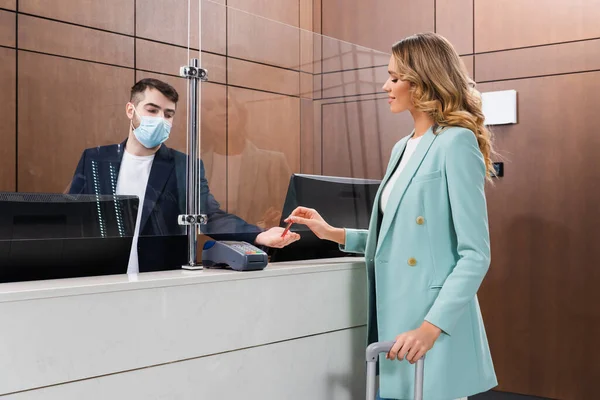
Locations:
column 441, row 86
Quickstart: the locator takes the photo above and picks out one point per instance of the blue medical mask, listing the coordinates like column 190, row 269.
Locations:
column 152, row 132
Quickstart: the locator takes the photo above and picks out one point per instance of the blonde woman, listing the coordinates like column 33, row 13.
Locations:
column 427, row 248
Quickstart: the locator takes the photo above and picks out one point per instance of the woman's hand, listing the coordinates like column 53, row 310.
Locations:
column 313, row 220
column 414, row 344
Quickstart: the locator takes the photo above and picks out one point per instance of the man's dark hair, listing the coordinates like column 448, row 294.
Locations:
column 137, row 91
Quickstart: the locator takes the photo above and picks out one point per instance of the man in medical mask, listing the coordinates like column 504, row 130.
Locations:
column 143, row 166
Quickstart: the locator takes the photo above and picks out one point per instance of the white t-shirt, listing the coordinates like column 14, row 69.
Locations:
column 133, row 179
column 411, row 145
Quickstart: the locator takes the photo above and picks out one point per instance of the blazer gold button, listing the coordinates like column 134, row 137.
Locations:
column 412, row 262
column 420, row 220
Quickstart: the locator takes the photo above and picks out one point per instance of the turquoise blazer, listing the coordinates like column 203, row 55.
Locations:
column 426, row 259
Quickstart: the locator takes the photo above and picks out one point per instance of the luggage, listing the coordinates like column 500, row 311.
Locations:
column 373, row 352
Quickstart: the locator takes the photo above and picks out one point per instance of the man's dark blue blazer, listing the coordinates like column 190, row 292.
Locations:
column 98, row 171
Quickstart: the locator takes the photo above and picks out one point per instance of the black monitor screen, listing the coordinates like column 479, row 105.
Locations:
column 342, row 202
column 48, row 236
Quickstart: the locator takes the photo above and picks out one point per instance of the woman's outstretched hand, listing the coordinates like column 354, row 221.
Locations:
column 313, row 220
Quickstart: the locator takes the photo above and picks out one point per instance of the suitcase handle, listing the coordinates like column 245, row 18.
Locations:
column 372, row 354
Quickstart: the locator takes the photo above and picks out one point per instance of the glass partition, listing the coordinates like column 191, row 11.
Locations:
column 279, row 100
column 290, row 101
column 87, row 142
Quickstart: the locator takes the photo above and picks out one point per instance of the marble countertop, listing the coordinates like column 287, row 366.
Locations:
column 19, row 291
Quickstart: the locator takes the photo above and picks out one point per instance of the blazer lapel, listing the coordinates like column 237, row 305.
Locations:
column 105, row 170
column 402, row 183
column 162, row 167
column 374, row 222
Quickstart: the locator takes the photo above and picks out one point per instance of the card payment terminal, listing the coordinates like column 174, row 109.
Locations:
column 240, row 256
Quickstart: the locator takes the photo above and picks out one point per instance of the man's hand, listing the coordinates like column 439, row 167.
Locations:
column 272, row 238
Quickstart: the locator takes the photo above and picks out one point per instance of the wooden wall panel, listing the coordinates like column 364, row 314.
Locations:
column 271, row 42
column 213, row 136
column 269, row 126
column 73, row 105
column 263, row 77
column 284, row 11
column 376, row 27
column 356, row 82
column 342, row 56
column 173, row 57
column 469, row 64
column 310, row 136
column 537, row 61
column 8, row 35
column 73, row 41
column 307, row 13
column 539, row 299
column 454, row 21
column 358, row 137
column 8, row 125
column 8, row 4
column 533, row 22
column 167, row 22
column 112, row 15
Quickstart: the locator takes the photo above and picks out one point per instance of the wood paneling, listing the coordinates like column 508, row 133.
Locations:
column 307, row 13
column 262, row 77
column 112, row 15
column 310, row 52
column 454, row 21
column 342, row 56
column 376, row 26
column 167, row 21
column 271, row 42
column 72, row 41
column 310, row 85
column 8, row 125
column 7, row 29
column 284, row 11
column 469, row 61
column 273, row 122
column 214, row 139
column 356, row 82
column 267, row 128
column 317, row 15
column 8, row 4
column 173, row 57
column 539, row 299
column 531, row 22
column 537, row 61
column 73, row 105
column 310, row 136
column 358, row 137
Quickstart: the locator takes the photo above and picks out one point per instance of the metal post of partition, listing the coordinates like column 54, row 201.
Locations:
column 192, row 219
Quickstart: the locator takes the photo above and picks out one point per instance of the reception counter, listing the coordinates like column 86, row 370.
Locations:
column 293, row 331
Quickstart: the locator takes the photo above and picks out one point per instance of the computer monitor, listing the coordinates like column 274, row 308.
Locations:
column 50, row 236
column 342, row 202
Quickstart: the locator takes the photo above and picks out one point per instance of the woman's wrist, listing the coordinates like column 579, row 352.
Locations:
column 337, row 235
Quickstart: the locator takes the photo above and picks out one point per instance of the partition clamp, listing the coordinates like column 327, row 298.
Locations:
column 190, row 219
column 192, row 72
